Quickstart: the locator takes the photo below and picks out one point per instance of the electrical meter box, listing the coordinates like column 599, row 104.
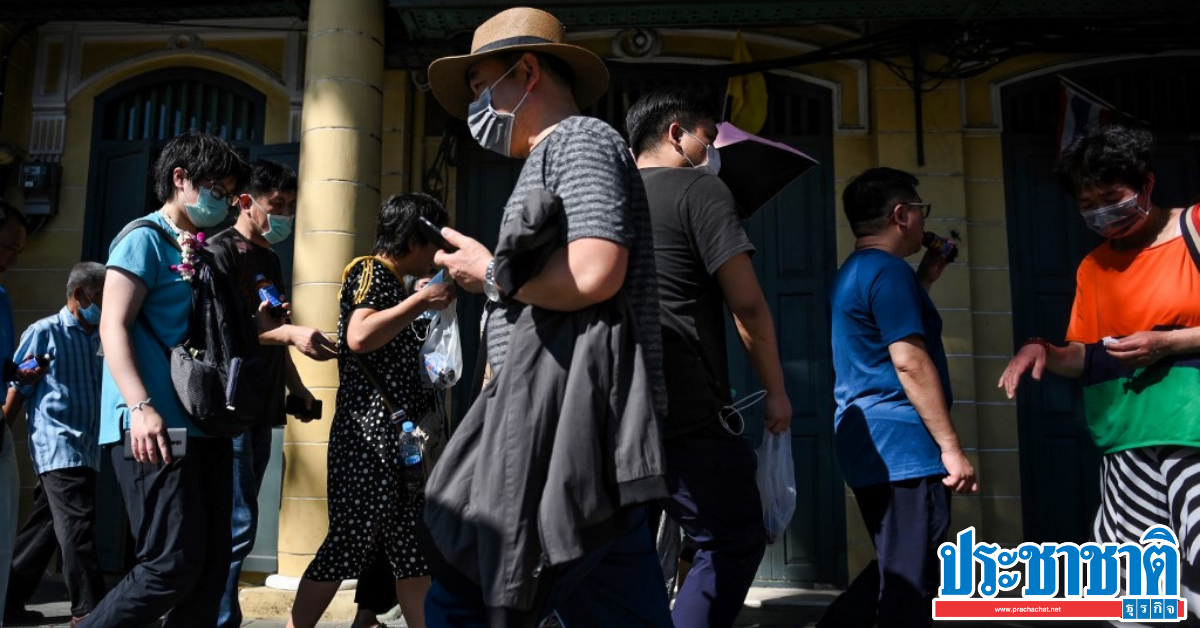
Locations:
column 40, row 183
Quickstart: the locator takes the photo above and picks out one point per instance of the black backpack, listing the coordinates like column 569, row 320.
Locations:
column 216, row 371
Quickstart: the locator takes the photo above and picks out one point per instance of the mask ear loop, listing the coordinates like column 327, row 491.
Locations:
column 730, row 411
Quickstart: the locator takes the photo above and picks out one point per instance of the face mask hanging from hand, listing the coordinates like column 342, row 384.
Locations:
column 1114, row 221
column 492, row 129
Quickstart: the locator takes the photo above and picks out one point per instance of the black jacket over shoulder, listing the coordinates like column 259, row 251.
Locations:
column 540, row 469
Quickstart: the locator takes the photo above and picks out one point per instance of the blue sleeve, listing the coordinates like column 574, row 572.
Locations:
column 139, row 253
column 7, row 333
column 896, row 301
column 35, row 341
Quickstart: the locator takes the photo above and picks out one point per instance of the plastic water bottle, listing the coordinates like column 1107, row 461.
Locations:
column 269, row 293
column 410, row 455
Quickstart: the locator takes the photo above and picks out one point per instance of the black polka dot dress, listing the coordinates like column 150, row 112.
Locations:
column 368, row 504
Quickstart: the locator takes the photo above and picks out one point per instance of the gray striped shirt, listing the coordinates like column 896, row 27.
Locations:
column 587, row 164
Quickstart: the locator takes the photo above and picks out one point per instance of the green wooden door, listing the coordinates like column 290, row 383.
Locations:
column 1047, row 240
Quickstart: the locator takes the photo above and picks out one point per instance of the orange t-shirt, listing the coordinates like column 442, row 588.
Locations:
column 1118, row 293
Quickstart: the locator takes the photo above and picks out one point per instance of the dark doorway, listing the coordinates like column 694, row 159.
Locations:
column 1047, row 240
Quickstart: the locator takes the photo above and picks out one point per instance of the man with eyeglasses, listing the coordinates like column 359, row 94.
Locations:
column 896, row 444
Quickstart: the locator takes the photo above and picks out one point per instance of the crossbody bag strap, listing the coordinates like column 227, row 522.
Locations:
column 1190, row 228
column 142, row 319
column 373, row 377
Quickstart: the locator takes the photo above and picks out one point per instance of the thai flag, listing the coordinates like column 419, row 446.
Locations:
column 1080, row 114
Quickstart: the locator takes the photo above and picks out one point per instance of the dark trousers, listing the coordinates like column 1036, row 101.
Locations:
column 64, row 515
column 251, row 454
column 907, row 521
column 619, row 584
column 714, row 497
column 179, row 516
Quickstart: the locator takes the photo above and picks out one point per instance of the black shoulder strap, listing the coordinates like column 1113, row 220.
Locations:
column 129, row 228
column 1191, row 231
column 373, row 377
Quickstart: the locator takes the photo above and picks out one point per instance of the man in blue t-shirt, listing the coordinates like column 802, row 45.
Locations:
column 897, row 446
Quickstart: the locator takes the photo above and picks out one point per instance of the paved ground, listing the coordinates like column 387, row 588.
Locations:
column 765, row 608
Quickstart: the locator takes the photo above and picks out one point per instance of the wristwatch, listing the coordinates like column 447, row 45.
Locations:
column 490, row 289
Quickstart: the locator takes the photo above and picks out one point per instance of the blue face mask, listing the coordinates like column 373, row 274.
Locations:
column 492, row 129
column 278, row 227
column 206, row 211
column 91, row 314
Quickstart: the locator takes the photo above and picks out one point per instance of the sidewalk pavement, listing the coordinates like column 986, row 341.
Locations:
column 765, row 608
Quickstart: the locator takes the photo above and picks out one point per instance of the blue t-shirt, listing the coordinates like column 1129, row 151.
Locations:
column 876, row 300
column 148, row 256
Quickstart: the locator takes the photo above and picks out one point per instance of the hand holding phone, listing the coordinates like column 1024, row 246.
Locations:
column 294, row 406
column 434, row 234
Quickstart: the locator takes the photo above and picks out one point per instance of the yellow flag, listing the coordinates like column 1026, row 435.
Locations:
column 748, row 93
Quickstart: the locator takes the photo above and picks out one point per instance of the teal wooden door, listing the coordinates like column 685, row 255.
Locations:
column 1047, row 240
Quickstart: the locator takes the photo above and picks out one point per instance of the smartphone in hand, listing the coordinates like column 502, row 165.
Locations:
column 294, row 406
column 434, row 235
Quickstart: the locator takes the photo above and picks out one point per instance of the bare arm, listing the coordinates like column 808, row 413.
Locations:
column 1035, row 359
column 756, row 329
column 923, row 387
column 12, row 405
column 370, row 329
column 587, row 272
column 124, row 294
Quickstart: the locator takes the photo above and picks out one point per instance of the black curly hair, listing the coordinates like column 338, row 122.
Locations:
column 396, row 230
column 1115, row 155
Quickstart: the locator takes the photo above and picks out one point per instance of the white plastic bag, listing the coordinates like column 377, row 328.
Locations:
column 442, row 353
column 776, row 482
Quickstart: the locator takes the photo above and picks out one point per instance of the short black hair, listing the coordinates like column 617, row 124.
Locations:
column 268, row 176
column 650, row 117
column 559, row 68
column 203, row 156
column 396, row 229
column 9, row 212
column 1116, row 154
column 869, row 198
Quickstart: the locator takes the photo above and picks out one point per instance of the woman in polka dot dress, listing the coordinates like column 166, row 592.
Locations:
column 368, row 504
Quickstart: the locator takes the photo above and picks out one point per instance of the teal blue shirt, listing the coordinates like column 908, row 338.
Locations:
column 148, row 257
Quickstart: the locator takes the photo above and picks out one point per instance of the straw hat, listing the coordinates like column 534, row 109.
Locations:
column 522, row 29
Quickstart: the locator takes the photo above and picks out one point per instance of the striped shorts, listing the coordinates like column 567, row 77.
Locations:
column 1149, row 486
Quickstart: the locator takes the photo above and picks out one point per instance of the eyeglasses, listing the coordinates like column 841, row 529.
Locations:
column 217, row 191
column 926, row 208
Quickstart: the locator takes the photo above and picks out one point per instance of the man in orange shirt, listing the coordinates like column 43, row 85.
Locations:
column 1134, row 341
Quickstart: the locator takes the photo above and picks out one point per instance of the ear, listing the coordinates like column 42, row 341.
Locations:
column 900, row 216
column 675, row 136
column 533, row 68
column 1149, row 185
column 243, row 202
column 179, row 177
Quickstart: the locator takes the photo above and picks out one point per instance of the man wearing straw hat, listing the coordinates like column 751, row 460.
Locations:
column 521, row 90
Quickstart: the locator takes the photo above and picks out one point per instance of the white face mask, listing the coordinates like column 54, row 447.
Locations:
column 492, row 129
column 712, row 160
column 1112, row 221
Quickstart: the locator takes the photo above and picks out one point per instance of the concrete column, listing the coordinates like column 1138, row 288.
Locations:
column 340, row 165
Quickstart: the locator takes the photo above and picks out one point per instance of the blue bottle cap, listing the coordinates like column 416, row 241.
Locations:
column 408, row 426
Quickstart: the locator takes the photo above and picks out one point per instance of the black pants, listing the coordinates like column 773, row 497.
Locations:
column 179, row 515
column 64, row 515
column 907, row 521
